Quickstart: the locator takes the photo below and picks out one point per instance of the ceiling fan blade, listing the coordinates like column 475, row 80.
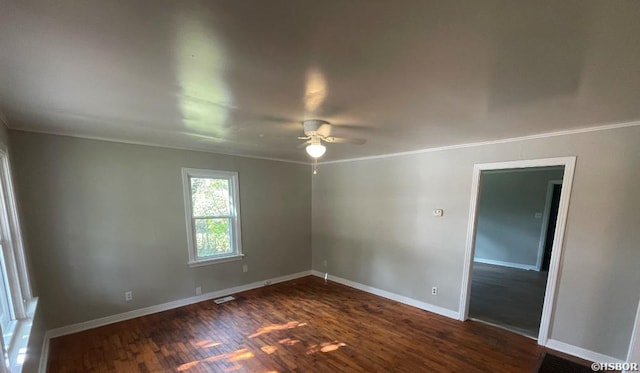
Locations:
column 304, row 144
column 304, row 137
column 357, row 129
column 324, row 130
column 344, row 140
column 275, row 119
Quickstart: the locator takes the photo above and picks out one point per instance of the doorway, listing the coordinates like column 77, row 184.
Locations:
column 525, row 264
column 550, row 217
column 507, row 279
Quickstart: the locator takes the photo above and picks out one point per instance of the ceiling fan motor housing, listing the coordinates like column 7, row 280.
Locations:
column 311, row 126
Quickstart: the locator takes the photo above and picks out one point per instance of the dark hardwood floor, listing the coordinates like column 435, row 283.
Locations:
column 509, row 297
column 300, row 326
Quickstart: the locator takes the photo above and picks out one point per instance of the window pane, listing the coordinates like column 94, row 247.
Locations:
column 5, row 304
column 210, row 197
column 213, row 237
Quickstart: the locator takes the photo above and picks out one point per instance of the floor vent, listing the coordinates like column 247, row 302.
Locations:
column 224, row 299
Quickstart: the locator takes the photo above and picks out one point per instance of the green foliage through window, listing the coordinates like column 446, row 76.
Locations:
column 211, row 216
column 213, row 237
column 210, row 197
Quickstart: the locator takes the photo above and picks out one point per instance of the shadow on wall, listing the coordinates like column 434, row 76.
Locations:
column 548, row 63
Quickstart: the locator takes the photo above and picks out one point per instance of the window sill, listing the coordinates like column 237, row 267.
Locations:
column 224, row 259
column 20, row 338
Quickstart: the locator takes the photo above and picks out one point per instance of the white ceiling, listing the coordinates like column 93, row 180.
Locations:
column 239, row 76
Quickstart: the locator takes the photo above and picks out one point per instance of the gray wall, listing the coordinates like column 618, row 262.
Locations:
column 507, row 228
column 4, row 135
column 373, row 223
column 101, row 218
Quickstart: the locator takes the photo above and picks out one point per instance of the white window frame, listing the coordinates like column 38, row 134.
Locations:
column 234, row 207
column 23, row 304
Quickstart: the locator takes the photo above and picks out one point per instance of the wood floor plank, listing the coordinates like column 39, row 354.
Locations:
column 302, row 325
column 509, row 297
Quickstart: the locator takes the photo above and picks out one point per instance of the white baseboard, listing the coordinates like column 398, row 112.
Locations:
column 551, row 343
column 393, row 296
column 581, row 352
column 86, row 325
column 506, row 264
column 74, row 328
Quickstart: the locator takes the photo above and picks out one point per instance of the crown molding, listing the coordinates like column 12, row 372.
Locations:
column 158, row 145
column 380, row 156
column 492, row 142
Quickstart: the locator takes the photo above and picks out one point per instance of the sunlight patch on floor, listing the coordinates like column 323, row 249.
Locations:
column 233, row 368
column 207, row 344
column 268, row 349
column 271, row 328
column 288, row 341
column 238, row 355
column 325, row 347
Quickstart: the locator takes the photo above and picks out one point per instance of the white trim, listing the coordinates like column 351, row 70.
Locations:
column 546, row 214
column 558, row 240
column 516, row 170
column 21, row 337
column 633, row 356
column 11, row 243
column 581, row 352
column 605, row 127
column 556, row 249
column 13, row 220
column 389, row 295
column 156, row 145
column 527, row 267
column 44, row 354
column 234, row 215
column 86, row 325
column 222, row 259
column 492, row 142
column 465, row 288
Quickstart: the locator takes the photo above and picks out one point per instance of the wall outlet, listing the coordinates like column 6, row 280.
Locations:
column 434, row 290
column 128, row 295
column 267, row 283
column 198, row 290
column 324, row 262
column 245, row 268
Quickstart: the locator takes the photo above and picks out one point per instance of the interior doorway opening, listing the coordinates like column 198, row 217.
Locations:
column 517, row 219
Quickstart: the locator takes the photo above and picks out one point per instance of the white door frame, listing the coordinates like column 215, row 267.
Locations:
column 545, row 222
column 633, row 356
column 558, row 238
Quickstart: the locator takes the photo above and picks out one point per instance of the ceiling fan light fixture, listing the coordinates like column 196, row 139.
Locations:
column 316, row 150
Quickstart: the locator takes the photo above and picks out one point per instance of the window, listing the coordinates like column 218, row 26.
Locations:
column 213, row 215
column 7, row 316
column 16, row 303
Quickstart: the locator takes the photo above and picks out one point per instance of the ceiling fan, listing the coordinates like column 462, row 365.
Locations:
column 317, row 131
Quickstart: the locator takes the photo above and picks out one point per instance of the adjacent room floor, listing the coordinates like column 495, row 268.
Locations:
column 303, row 325
column 509, row 297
